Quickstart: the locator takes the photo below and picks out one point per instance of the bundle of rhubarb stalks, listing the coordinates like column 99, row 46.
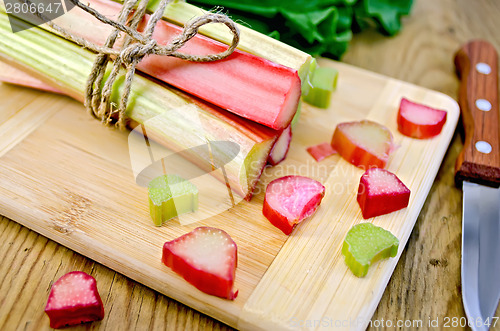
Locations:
column 249, row 98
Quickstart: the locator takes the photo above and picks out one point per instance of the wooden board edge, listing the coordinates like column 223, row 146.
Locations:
column 255, row 318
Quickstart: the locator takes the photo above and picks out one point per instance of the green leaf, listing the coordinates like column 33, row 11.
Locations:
column 388, row 13
column 319, row 27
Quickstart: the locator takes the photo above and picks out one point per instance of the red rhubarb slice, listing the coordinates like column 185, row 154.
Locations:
column 206, row 257
column 365, row 144
column 321, row 151
column 281, row 147
column 381, row 192
column 419, row 121
column 73, row 300
column 291, row 199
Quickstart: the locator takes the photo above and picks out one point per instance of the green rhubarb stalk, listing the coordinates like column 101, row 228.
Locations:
column 251, row 41
column 66, row 66
column 171, row 196
column 322, row 85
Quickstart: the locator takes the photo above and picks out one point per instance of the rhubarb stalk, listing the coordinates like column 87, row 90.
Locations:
column 66, row 66
column 244, row 84
column 251, row 41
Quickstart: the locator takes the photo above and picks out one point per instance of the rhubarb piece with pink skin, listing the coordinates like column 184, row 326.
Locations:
column 365, row 144
column 419, row 121
column 281, row 147
column 290, row 200
column 73, row 300
column 321, row 151
column 381, row 192
column 205, row 257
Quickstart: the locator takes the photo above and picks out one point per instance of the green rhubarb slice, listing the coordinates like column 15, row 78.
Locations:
column 171, row 196
column 323, row 84
column 366, row 244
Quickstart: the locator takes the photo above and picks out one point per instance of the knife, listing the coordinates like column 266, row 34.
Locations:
column 478, row 170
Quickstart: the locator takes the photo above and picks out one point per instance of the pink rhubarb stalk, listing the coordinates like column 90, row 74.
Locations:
column 244, row 84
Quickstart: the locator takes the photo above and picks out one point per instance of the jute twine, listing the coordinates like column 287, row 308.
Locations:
column 136, row 45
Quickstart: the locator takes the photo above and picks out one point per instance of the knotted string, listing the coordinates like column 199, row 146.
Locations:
column 135, row 47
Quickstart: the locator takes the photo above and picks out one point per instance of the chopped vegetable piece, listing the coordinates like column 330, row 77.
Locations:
column 323, row 84
column 171, row 196
column 321, row 151
column 73, row 300
column 366, row 244
column 291, row 199
column 365, row 144
column 205, row 257
column 381, row 192
column 281, row 147
column 419, row 121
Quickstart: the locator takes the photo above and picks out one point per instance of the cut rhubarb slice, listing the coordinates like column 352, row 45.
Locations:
column 381, row 192
column 170, row 196
column 323, row 84
column 291, row 199
column 321, row 151
column 419, row 121
column 206, row 258
column 73, row 300
column 365, row 144
column 281, row 147
column 366, row 244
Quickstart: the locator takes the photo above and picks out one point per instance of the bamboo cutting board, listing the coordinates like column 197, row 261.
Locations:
column 70, row 179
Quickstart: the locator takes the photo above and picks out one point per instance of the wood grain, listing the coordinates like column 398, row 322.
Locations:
column 480, row 125
column 425, row 284
column 70, row 180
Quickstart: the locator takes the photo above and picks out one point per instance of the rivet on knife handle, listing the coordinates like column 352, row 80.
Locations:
column 479, row 161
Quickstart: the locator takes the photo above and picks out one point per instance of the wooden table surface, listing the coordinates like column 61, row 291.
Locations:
column 426, row 283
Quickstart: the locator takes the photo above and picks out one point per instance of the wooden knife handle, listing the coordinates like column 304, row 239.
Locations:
column 479, row 161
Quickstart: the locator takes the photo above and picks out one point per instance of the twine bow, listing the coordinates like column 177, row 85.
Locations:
column 135, row 46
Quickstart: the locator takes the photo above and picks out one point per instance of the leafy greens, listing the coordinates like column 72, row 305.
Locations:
column 319, row 27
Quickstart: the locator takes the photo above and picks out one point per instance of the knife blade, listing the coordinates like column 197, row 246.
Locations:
column 478, row 170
